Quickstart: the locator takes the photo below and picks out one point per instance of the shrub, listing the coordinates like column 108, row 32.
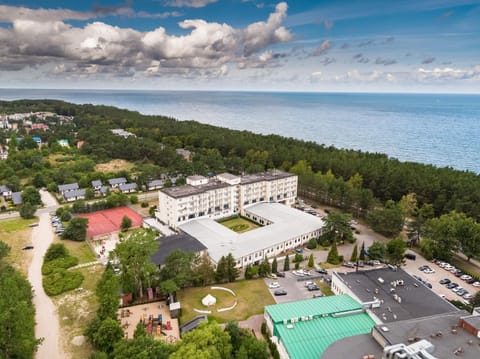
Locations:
column 144, row 204
column 61, row 281
column 133, row 199
column 57, row 250
column 59, row 263
column 312, row 243
column 263, row 328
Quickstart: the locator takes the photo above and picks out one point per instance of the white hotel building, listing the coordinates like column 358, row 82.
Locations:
column 265, row 198
column 223, row 196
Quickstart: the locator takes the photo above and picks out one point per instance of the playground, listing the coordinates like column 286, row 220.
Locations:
column 154, row 316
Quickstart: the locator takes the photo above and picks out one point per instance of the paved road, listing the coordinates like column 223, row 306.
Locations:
column 46, row 316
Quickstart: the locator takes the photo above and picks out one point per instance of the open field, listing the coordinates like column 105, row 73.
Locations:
column 239, row 224
column 76, row 309
column 17, row 234
column 252, row 296
column 114, row 166
column 81, row 250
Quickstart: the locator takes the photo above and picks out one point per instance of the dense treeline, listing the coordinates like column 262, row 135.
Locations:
column 217, row 149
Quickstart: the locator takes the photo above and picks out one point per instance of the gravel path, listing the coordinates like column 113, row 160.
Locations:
column 46, row 316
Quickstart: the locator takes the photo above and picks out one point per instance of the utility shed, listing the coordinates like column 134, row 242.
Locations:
column 305, row 329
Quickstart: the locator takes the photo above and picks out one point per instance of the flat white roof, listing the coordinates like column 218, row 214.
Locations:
column 287, row 223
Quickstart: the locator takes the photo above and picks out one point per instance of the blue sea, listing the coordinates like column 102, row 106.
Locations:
column 442, row 130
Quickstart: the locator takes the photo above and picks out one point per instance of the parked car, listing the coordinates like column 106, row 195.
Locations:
column 298, row 273
column 348, row 264
column 272, row 276
column 471, row 280
column 445, row 281
column 465, row 277
column 280, row 274
column 321, row 271
column 476, row 284
column 461, row 292
column 299, row 250
column 313, row 287
column 468, row 296
column 273, row 285
column 452, row 285
column 429, row 271
column 317, row 295
column 410, row 256
column 280, row 292
column 33, row 224
column 422, row 268
column 456, row 289
column 27, row 248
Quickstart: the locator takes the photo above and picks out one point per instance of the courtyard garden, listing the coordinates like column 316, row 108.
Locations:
column 239, row 224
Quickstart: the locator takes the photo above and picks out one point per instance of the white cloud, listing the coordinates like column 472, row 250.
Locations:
column 101, row 48
column 190, row 3
column 449, row 73
column 369, row 76
column 324, row 47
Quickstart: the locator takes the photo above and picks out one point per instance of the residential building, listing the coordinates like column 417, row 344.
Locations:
column 17, row 198
column 128, row 187
column 305, row 329
column 186, row 154
column 223, row 195
column 74, row 195
column 63, row 188
column 154, row 184
column 115, row 182
column 5, row 192
column 96, row 185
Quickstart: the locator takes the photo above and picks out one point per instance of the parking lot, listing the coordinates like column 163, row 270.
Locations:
column 411, row 267
column 294, row 286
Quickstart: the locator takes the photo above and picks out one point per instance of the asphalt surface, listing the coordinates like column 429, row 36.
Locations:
column 295, row 288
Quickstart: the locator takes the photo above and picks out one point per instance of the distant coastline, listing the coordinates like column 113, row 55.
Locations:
column 438, row 129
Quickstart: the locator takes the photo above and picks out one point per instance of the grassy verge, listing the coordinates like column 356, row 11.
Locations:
column 325, row 288
column 17, row 234
column 76, row 309
column 252, row 297
column 239, row 224
column 465, row 266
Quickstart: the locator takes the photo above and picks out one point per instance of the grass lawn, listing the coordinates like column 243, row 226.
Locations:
column 465, row 266
column 17, row 234
column 239, row 224
column 114, row 166
column 324, row 288
column 252, row 296
column 76, row 309
column 81, row 250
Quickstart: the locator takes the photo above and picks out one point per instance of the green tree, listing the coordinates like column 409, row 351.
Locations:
column 178, row 267
column 354, row 256
column 221, row 271
column 134, row 253
column 108, row 334
column 30, row 194
column 142, row 347
column 107, row 292
column 311, row 263
column 76, row 229
column 475, row 301
column 416, row 225
column 468, row 234
column 27, row 211
column 396, row 251
column 126, row 223
column 264, row 269
column 231, row 266
column 332, row 256
column 387, row 220
column 207, row 341
column 362, row 252
column 274, row 265
column 442, row 232
column 55, row 251
column 251, row 271
column 377, row 250
column 286, row 264
column 337, row 228
column 312, row 243
column 204, row 270
column 65, row 216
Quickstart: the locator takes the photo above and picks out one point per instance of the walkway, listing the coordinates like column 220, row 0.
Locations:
column 46, row 316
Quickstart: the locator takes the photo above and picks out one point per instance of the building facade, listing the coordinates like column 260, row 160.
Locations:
column 224, row 195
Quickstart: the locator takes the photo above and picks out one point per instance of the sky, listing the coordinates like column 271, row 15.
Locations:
column 293, row 45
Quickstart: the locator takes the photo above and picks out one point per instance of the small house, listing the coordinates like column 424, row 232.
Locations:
column 74, row 195
column 116, row 182
column 128, row 187
column 64, row 188
column 5, row 192
column 155, row 184
column 17, row 198
column 96, row 185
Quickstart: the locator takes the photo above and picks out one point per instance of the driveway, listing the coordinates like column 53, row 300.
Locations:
column 46, row 316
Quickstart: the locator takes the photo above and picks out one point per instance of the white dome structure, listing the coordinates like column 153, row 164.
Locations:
column 209, row 300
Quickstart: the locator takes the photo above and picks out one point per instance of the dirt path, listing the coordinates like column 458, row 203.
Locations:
column 46, row 316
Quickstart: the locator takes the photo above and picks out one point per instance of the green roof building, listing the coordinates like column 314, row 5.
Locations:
column 304, row 329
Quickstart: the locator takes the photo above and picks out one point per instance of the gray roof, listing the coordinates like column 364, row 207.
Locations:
column 97, row 183
column 4, row 188
column 119, row 180
column 181, row 241
column 127, row 186
column 361, row 345
column 416, row 299
column 265, row 176
column 196, row 178
column 104, row 189
column 17, row 198
column 67, row 187
column 189, row 190
column 427, row 328
column 287, row 223
column 155, row 183
column 75, row 193
column 227, row 176
column 473, row 320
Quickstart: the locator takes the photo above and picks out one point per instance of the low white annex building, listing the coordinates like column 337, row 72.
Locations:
column 283, row 228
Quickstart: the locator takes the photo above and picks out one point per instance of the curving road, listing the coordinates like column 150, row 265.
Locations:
column 46, row 316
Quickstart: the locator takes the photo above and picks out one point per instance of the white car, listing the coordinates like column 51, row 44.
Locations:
column 468, row 296
column 465, row 277
column 298, row 273
column 456, row 289
column 429, row 271
column 274, row 285
column 476, row 284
